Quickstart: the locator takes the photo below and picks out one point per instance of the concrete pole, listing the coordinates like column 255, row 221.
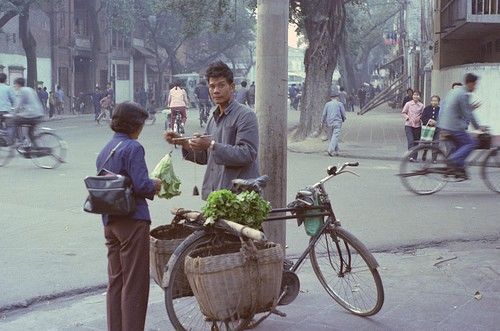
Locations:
column 271, row 91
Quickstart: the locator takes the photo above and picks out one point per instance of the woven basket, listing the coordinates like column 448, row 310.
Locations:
column 163, row 241
column 230, row 285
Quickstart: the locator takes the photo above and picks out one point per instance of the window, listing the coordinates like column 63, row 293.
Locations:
column 122, row 72
column 497, row 45
column 489, row 48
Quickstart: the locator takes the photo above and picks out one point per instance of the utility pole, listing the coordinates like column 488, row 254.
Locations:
column 271, row 105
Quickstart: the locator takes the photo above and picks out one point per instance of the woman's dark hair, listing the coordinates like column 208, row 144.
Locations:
column 219, row 69
column 409, row 90
column 436, row 96
column 128, row 117
column 417, row 92
column 3, row 77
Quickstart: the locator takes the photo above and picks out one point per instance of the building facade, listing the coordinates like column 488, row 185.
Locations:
column 467, row 39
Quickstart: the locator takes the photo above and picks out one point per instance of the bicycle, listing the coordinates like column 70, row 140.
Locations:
column 104, row 115
column 343, row 265
column 178, row 124
column 431, row 174
column 47, row 151
column 204, row 109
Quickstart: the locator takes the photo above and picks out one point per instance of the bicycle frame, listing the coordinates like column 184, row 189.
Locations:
column 327, row 209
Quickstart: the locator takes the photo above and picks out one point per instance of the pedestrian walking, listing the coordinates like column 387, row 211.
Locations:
column 408, row 97
column 203, row 96
column 430, row 116
column 96, row 102
column 127, row 237
column 230, row 148
column 59, row 100
column 292, row 94
column 241, row 94
column 52, row 104
column 343, row 96
column 361, row 97
column 251, row 95
column 412, row 113
column 332, row 118
column 45, row 99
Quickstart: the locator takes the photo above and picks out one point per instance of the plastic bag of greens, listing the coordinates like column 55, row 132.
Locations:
column 170, row 184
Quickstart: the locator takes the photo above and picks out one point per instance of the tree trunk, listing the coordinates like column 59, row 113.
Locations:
column 348, row 74
column 29, row 46
column 323, row 23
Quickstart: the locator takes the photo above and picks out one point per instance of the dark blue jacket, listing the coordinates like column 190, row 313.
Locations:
column 429, row 113
column 129, row 160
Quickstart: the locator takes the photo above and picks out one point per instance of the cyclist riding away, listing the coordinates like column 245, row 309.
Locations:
column 454, row 119
column 177, row 102
column 28, row 110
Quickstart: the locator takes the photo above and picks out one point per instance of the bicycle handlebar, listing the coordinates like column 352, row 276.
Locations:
column 333, row 171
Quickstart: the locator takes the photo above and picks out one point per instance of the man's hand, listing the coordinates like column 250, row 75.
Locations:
column 157, row 183
column 171, row 135
column 200, row 144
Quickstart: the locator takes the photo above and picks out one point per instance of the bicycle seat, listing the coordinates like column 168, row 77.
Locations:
column 254, row 184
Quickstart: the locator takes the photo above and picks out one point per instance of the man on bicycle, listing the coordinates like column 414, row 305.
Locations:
column 202, row 94
column 454, row 119
column 28, row 110
column 7, row 96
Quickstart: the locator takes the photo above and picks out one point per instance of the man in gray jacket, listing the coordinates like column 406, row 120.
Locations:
column 454, row 118
column 28, row 109
column 333, row 116
column 231, row 146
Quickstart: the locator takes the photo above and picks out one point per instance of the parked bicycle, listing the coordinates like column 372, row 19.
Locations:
column 343, row 265
column 430, row 173
column 47, row 150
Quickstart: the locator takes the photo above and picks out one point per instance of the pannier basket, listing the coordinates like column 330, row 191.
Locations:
column 163, row 240
column 236, row 280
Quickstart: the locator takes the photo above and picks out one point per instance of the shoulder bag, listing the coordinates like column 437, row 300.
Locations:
column 109, row 193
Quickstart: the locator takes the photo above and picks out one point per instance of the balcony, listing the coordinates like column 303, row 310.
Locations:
column 469, row 19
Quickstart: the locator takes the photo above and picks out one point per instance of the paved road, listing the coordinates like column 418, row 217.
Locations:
column 50, row 246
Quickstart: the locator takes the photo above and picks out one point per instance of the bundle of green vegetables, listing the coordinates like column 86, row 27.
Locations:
column 170, row 183
column 246, row 208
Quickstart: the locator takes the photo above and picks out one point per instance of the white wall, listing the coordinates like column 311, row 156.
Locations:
column 487, row 92
column 43, row 66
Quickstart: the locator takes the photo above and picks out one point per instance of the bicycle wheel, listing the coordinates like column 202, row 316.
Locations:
column 56, row 150
column 182, row 307
column 490, row 170
column 348, row 272
column 426, row 176
column 6, row 151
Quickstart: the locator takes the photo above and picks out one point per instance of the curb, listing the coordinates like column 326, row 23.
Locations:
column 352, row 156
column 32, row 301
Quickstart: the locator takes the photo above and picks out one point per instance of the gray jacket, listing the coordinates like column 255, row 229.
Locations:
column 334, row 112
column 234, row 155
column 456, row 111
column 28, row 104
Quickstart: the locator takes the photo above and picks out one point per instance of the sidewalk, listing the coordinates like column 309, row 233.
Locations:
column 453, row 287
column 379, row 134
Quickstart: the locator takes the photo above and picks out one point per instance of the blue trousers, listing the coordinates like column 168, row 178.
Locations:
column 464, row 145
column 412, row 135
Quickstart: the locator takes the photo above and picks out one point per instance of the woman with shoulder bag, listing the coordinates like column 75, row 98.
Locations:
column 127, row 237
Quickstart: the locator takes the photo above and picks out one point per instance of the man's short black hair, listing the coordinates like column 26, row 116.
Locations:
column 244, row 83
column 436, row 96
column 45, row 88
column 3, row 77
column 128, row 117
column 20, row 81
column 342, row 89
column 470, row 78
column 219, row 70
column 456, row 84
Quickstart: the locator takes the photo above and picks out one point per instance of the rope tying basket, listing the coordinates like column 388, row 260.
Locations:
column 236, row 280
column 163, row 240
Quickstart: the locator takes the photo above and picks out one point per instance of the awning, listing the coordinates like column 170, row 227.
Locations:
column 143, row 50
